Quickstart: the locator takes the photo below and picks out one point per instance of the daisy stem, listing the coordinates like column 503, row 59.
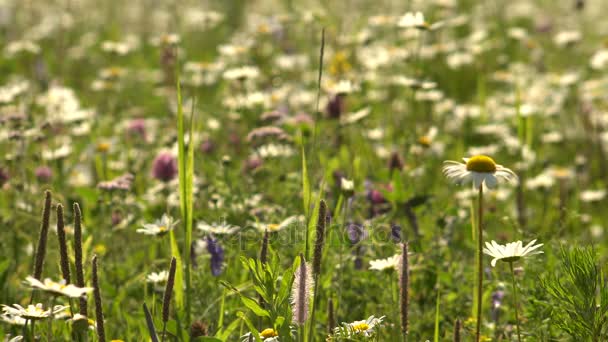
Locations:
column 515, row 301
column 479, row 263
column 50, row 320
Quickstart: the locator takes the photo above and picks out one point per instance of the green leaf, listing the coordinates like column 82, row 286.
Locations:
column 254, row 331
column 254, row 306
column 150, row 324
column 436, row 335
column 179, row 276
column 223, row 334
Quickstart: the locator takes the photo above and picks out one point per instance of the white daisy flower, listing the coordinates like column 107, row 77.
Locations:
column 156, row 278
column 592, row 195
column 479, row 170
column 58, row 288
column 159, row 227
column 275, row 227
column 413, row 20
column 385, row 264
column 32, row 312
column 365, row 328
column 217, row 228
column 13, row 320
column 511, row 252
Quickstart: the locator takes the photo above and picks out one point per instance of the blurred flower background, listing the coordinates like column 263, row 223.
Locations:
column 358, row 103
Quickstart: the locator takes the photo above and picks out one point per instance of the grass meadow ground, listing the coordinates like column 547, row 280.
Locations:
column 303, row 170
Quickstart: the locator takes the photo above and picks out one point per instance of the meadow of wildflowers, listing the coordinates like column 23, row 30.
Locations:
column 302, row 170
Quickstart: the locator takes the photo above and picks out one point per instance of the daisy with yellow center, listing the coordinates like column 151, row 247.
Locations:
column 367, row 328
column 58, row 288
column 159, row 227
column 511, row 253
column 480, row 170
column 32, row 312
column 275, row 227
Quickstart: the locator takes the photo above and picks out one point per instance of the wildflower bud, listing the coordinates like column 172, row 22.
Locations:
column 319, row 239
column 63, row 248
column 101, row 334
column 336, row 106
column 252, row 163
column 42, row 237
column 404, row 283
column 164, row 167
column 207, row 146
column 395, row 163
column 137, row 128
column 301, row 291
column 198, row 329
column 169, row 289
column 78, row 256
column 44, row 174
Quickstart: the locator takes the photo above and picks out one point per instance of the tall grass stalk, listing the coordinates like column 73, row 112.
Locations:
column 101, row 333
column 186, row 176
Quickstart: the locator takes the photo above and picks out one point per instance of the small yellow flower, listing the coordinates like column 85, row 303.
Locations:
column 103, row 147
column 100, row 249
column 268, row 332
column 339, row 64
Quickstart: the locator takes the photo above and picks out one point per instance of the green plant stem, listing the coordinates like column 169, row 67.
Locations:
column 479, row 262
column 515, row 301
column 162, row 338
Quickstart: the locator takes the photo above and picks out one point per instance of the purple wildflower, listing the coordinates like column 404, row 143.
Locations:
column 217, row 255
column 137, row 127
column 164, row 167
column 356, row 233
column 44, row 174
column 396, row 232
column 207, row 146
column 336, row 106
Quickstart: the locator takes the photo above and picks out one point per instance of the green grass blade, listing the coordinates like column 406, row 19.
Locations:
column 150, row 324
column 179, row 273
column 436, row 335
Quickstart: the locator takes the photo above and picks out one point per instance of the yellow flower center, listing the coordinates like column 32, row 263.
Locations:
column 424, row 141
column 273, row 226
column 103, row 147
column 268, row 333
column 481, row 164
column 359, row 327
column 162, row 229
